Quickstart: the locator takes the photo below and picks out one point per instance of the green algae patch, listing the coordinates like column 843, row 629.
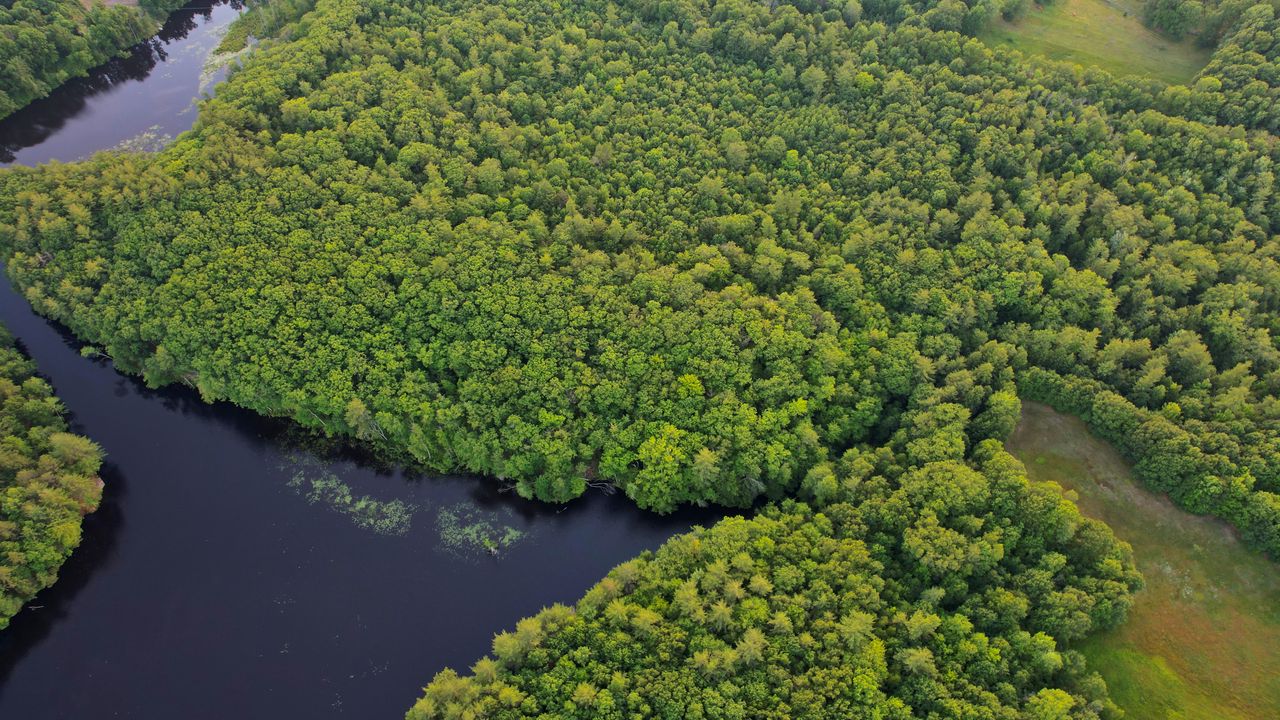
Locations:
column 385, row 517
column 469, row 531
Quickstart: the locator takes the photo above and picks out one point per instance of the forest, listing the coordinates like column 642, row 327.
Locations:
column 44, row 43
column 48, row 482
column 696, row 262
column 801, row 256
column 1210, row 22
column 1241, row 85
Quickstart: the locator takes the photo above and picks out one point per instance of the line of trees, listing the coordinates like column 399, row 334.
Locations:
column 1211, row 21
column 1168, row 458
column 1241, row 84
column 48, row 482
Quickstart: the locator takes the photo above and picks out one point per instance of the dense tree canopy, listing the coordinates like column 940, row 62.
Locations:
column 48, row 481
column 947, row 592
column 44, row 43
column 1241, row 85
column 1209, row 20
column 707, row 252
column 694, row 251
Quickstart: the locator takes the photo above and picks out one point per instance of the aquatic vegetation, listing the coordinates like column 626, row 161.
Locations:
column 386, row 517
column 468, row 530
column 152, row 139
column 217, row 64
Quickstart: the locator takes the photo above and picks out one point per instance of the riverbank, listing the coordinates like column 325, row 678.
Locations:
column 213, row 583
column 1203, row 640
column 75, row 36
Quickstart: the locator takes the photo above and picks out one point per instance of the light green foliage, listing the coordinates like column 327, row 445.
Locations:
column 48, row 482
column 723, row 622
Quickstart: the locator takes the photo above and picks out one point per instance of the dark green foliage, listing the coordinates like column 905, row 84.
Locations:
column 44, row 43
column 947, row 592
column 48, row 481
column 1209, row 20
column 1174, row 17
column 693, row 251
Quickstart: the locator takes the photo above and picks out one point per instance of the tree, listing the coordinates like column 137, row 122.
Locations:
column 814, row 81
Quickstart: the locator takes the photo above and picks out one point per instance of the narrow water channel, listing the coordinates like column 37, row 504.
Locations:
column 233, row 571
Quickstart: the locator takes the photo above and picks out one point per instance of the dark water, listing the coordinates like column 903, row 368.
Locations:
column 152, row 90
column 207, row 586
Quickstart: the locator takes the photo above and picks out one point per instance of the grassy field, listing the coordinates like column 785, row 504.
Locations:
column 1104, row 33
column 1203, row 641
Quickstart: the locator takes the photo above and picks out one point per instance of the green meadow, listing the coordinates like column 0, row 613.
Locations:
column 1203, row 640
column 1109, row 35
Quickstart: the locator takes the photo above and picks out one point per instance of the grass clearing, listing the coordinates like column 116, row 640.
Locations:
column 1203, row 640
column 1104, row 33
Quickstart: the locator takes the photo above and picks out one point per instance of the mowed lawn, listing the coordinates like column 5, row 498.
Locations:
column 1203, row 639
column 1098, row 32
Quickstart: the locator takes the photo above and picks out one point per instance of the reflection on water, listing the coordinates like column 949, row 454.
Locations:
column 154, row 84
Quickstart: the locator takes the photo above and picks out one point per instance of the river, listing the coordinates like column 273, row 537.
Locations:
column 146, row 94
column 231, row 571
